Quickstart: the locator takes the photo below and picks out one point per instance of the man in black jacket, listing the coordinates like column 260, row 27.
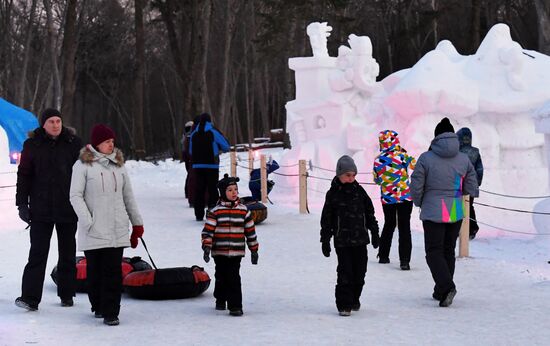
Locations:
column 43, row 184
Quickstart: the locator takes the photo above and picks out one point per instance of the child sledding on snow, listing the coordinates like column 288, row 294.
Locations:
column 228, row 226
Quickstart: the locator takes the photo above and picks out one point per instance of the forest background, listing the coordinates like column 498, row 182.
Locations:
column 145, row 67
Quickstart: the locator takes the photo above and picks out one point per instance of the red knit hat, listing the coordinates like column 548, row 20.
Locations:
column 101, row 133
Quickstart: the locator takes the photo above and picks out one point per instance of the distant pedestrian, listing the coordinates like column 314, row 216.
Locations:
column 465, row 140
column 43, row 183
column 206, row 144
column 391, row 172
column 255, row 185
column 229, row 226
column 348, row 215
column 186, row 158
column 441, row 177
column 102, row 196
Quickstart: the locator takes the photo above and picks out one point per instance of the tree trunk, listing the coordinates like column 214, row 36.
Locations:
column 230, row 20
column 20, row 95
column 56, row 83
column 139, row 137
column 202, row 12
column 68, row 62
column 475, row 26
column 543, row 15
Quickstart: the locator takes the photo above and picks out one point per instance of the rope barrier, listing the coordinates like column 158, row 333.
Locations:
column 510, row 209
column 332, row 170
column 507, row 230
column 285, row 175
column 6, row 186
column 512, row 196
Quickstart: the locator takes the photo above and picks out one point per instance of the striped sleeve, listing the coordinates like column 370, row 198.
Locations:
column 208, row 230
column 250, row 232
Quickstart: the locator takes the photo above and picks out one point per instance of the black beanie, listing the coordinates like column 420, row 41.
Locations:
column 224, row 183
column 443, row 126
column 48, row 113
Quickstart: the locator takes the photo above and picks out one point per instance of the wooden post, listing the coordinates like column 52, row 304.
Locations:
column 250, row 161
column 233, row 156
column 263, row 177
column 303, row 186
column 463, row 245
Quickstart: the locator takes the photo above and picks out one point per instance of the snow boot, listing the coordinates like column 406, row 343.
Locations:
column 111, row 321
column 220, row 305
column 383, row 260
column 405, row 266
column 344, row 312
column 20, row 302
column 236, row 312
column 356, row 307
column 67, row 302
column 448, row 300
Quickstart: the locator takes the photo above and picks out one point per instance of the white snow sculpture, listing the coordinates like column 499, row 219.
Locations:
column 318, row 33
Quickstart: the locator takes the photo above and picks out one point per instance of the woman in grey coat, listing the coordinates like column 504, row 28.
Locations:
column 102, row 197
column 441, row 177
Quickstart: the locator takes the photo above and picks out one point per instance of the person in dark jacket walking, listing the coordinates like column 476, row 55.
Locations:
column 186, row 158
column 206, row 144
column 347, row 216
column 465, row 140
column 441, row 177
column 391, row 172
column 42, row 197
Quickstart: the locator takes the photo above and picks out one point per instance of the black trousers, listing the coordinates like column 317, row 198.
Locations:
column 351, row 270
column 33, row 275
column 440, row 243
column 401, row 212
column 228, row 281
column 206, row 181
column 473, row 224
column 104, row 280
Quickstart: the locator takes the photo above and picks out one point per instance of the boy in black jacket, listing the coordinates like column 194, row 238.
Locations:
column 347, row 214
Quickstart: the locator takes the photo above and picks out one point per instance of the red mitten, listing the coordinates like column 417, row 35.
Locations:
column 137, row 232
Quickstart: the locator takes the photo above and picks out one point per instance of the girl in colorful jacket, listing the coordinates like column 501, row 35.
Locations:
column 229, row 225
column 391, row 172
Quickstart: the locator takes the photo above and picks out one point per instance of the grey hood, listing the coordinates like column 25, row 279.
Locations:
column 445, row 145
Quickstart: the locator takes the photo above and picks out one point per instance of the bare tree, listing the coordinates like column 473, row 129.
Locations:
column 68, row 57
column 543, row 15
column 22, row 84
column 139, row 138
column 56, row 83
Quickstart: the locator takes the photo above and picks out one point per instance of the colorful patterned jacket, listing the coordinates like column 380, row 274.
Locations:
column 228, row 225
column 391, row 169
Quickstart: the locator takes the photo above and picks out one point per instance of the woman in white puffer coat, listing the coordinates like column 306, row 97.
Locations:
column 102, row 197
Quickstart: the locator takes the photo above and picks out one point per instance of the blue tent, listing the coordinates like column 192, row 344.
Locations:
column 17, row 122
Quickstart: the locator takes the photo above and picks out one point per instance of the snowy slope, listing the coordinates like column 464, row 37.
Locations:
column 503, row 289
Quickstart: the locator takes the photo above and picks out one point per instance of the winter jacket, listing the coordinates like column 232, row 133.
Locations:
column 44, row 175
column 391, row 169
column 465, row 140
column 442, row 175
column 255, row 184
column 102, row 197
column 228, row 225
column 205, row 146
column 347, row 214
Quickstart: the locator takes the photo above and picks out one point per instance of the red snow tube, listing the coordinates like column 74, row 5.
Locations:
column 169, row 283
column 128, row 264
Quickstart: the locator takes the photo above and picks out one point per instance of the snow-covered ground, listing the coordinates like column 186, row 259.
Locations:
column 288, row 298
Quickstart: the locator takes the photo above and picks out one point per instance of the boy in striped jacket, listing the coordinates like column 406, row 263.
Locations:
column 228, row 226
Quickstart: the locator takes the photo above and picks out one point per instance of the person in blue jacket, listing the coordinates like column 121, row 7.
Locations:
column 255, row 180
column 205, row 145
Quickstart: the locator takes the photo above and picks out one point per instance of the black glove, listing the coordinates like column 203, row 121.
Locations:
column 375, row 239
column 24, row 213
column 254, row 257
column 206, row 255
column 325, row 247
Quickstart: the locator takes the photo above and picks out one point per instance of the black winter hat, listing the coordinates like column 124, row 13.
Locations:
column 48, row 113
column 224, row 183
column 205, row 117
column 443, row 126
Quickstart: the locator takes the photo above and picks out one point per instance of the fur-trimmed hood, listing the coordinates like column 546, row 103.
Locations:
column 88, row 155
